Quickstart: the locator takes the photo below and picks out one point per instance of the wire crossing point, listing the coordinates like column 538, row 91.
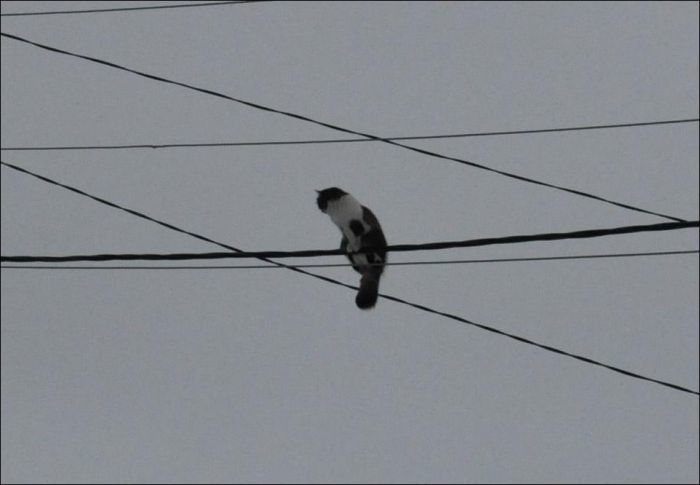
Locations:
column 344, row 130
column 382, row 295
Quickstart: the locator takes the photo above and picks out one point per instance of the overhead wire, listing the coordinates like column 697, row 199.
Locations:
column 339, row 128
column 400, row 263
column 308, row 253
column 127, row 9
column 349, row 140
column 385, row 296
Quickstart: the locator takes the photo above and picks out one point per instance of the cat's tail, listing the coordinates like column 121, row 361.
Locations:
column 369, row 290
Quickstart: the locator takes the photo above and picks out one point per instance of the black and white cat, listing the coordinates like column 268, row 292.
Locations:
column 361, row 231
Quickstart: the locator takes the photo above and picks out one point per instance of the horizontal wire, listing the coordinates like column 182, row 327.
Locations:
column 350, row 140
column 339, row 128
column 125, row 9
column 308, row 253
column 382, row 295
column 402, row 263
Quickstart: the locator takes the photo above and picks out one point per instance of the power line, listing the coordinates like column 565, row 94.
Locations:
column 542, row 346
column 349, row 140
column 307, row 253
column 402, row 263
column 125, row 9
column 345, row 130
column 383, row 295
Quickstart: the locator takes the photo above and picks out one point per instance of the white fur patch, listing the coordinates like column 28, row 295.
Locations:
column 344, row 210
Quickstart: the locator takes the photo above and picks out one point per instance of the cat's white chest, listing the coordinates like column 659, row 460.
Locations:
column 342, row 212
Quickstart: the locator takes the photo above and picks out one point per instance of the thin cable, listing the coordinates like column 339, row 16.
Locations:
column 309, row 253
column 383, row 295
column 403, row 263
column 345, row 130
column 347, row 140
column 542, row 346
column 126, row 9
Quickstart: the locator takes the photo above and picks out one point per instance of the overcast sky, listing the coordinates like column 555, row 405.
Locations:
column 268, row 375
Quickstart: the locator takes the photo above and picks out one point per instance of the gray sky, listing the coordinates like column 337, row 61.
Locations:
column 267, row 375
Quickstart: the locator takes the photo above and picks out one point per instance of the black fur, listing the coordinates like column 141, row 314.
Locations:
column 356, row 227
column 372, row 240
column 325, row 195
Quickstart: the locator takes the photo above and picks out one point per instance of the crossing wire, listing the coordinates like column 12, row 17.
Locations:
column 127, row 9
column 383, row 295
column 308, row 253
column 349, row 140
column 339, row 128
column 402, row 263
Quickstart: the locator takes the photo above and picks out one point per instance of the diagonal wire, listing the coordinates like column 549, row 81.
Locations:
column 383, row 295
column 349, row 140
column 401, row 263
column 339, row 128
column 127, row 9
